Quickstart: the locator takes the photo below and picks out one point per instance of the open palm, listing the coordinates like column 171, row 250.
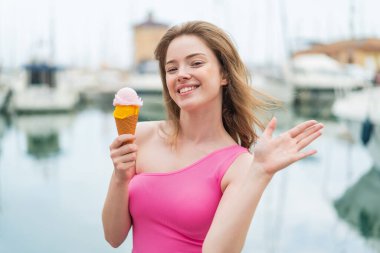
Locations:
column 276, row 153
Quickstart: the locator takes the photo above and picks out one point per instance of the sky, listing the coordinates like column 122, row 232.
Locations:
column 93, row 33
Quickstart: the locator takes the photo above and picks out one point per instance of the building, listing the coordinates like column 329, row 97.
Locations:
column 146, row 37
column 365, row 52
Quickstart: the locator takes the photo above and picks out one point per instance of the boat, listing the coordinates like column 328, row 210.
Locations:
column 359, row 112
column 42, row 94
column 359, row 105
column 317, row 79
column 5, row 93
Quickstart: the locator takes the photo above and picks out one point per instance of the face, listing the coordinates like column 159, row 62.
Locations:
column 193, row 74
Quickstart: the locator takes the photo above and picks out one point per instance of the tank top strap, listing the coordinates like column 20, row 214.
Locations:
column 224, row 160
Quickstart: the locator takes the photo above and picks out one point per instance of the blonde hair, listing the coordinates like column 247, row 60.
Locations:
column 239, row 98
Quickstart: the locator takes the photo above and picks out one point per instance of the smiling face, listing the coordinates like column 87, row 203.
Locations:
column 193, row 73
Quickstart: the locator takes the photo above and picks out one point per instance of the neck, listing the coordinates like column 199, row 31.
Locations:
column 203, row 125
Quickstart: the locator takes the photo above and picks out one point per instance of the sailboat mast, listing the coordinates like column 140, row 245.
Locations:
column 352, row 19
column 52, row 32
column 284, row 29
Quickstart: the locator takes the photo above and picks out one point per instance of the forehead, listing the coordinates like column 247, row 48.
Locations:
column 185, row 45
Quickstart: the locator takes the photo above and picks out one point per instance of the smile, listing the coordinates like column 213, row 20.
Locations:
column 187, row 89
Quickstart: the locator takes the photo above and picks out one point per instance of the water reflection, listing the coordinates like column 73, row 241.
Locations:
column 360, row 205
column 57, row 167
column 41, row 146
column 374, row 145
column 2, row 127
column 2, row 132
column 42, row 132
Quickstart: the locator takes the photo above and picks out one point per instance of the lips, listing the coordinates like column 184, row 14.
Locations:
column 182, row 89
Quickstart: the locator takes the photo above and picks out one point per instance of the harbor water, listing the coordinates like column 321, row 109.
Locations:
column 55, row 169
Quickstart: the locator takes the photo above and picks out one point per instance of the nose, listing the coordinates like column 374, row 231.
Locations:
column 183, row 74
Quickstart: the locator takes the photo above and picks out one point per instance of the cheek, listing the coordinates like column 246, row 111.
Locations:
column 170, row 84
column 170, row 80
column 211, row 75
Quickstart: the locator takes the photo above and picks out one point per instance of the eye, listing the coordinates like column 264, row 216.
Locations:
column 171, row 70
column 196, row 63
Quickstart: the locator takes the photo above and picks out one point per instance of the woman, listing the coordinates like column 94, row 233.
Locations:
column 190, row 184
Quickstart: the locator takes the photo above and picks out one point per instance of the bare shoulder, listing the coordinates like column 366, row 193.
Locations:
column 146, row 127
column 146, row 130
column 237, row 169
column 151, row 145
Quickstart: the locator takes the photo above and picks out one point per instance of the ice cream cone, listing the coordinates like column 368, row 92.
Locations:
column 126, row 118
column 127, row 105
column 127, row 125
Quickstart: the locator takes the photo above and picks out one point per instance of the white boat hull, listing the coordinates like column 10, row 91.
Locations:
column 44, row 99
column 357, row 107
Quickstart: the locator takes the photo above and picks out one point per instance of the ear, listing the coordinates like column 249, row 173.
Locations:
column 224, row 80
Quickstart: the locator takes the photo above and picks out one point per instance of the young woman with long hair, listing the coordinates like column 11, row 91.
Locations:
column 190, row 183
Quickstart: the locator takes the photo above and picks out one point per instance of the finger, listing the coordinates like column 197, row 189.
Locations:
column 127, row 158
column 301, row 127
column 123, row 150
column 122, row 139
column 270, row 127
column 306, row 141
column 124, row 159
column 124, row 166
column 128, row 148
column 309, row 131
column 305, row 154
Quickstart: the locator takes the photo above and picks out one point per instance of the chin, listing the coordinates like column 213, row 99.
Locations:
column 189, row 106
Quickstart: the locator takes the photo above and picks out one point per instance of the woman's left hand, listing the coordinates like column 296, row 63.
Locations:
column 275, row 153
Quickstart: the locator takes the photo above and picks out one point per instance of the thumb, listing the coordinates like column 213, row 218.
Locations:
column 270, row 127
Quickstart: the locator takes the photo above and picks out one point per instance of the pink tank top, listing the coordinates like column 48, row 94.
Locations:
column 173, row 211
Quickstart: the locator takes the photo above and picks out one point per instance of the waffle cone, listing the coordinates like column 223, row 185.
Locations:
column 126, row 125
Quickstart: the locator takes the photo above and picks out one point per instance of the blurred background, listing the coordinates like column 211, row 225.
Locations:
column 62, row 61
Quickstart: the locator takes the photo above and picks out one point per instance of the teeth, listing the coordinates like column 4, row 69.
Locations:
column 186, row 89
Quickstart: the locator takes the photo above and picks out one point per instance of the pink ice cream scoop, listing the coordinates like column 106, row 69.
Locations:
column 127, row 96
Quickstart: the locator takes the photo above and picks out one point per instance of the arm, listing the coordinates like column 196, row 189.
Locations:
column 247, row 179
column 116, row 218
column 236, row 208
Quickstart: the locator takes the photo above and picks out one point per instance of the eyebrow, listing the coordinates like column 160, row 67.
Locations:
column 187, row 57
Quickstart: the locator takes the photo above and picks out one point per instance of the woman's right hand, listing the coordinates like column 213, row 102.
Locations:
column 123, row 155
